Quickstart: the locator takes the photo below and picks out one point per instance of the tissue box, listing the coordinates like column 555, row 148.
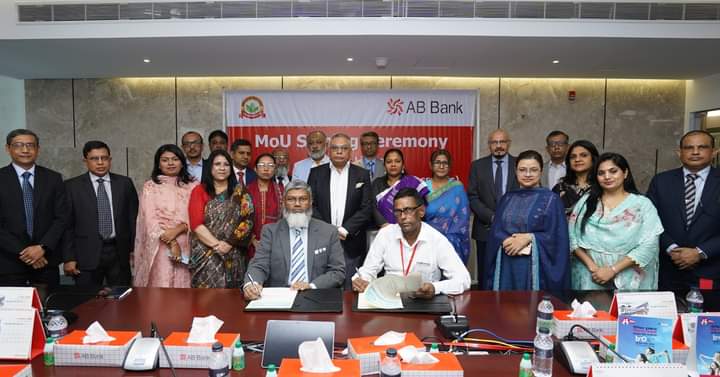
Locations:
column 70, row 350
column 348, row 368
column 184, row 355
column 602, row 324
column 16, row 370
column 370, row 355
column 679, row 349
column 448, row 366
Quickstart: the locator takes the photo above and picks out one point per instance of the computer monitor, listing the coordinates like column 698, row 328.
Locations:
column 282, row 338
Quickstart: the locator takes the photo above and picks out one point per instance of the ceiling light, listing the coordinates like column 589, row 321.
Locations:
column 350, row 59
column 146, row 60
column 714, row 113
column 556, row 61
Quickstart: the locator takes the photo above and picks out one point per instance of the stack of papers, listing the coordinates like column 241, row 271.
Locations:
column 274, row 298
column 384, row 293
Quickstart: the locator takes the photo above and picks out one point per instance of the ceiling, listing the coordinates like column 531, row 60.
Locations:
column 326, row 55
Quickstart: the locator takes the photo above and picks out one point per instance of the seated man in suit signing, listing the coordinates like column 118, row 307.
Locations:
column 414, row 246
column 298, row 251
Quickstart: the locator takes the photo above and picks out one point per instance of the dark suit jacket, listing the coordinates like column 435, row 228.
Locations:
column 325, row 260
column 358, row 204
column 82, row 242
column 667, row 192
column 250, row 175
column 49, row 218
column 481, row 193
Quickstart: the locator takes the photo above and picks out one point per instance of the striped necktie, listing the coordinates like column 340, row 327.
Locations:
column 104, row 211
column 690, row 198
column 297, row 259
column 371, row 167
column 27, row 192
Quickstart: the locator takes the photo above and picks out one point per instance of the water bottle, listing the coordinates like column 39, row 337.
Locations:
column 218, row 364
column 545, row 312
column 390, row 366
column 525, row 366
column 694, row 300
column 543, row 354
column 49, row 352
column 238, row 356
column 57, row 326
column 271, row 372
column 434, row 348
column 609, row 355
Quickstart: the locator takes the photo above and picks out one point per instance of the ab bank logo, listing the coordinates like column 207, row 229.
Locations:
column 252, row 107
column 395, row 106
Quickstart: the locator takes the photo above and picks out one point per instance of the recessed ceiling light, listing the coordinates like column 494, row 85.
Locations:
column 146, row 60
column 556, row 61
column 350, row 59
column 713, row 113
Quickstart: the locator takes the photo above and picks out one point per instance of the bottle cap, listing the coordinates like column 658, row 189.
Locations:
column 391, row 352
column 434, row 346
column 546, row 297
column 544, row 330
column 50, row 340
column 526, row 356
column 238, row 344
column 612, row 346
column 271, row 368
column 217, row 347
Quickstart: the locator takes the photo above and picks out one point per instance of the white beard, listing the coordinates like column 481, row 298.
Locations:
column 282, row 171
column 317, row 156
column 297, row 220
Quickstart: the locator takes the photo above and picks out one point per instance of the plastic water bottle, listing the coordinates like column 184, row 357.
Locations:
column 271, row 372
column 434, row 348
column 390, row 366
column 543, row 355
column 694, row 300
column 609, row 355
column 238, row 356
column 525, row 366
column 57, row 326
column 545, row 313
column 49, row 352
column 218, row 365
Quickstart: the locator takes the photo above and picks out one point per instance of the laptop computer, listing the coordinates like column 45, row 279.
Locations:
column 282, row 338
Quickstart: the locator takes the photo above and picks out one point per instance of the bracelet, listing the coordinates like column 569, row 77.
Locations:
column 612, row 267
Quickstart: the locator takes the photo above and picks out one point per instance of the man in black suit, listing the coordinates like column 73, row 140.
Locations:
column 282, row 164
column 241, row 152
column 341, row 197
column 101, row 234
column 688, row 202
column 33, row 215
column 490, row 178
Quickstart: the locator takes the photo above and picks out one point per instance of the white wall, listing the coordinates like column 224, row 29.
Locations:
column 12, row 109
column 700, row 95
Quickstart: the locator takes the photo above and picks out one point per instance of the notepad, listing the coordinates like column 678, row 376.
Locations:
column 274, row 298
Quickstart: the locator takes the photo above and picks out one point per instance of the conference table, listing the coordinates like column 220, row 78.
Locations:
column 508, row 314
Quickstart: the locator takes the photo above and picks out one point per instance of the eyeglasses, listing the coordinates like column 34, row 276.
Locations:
column 405, row 211
column 498, row 142
column 191, row 143
column 339, row 148
column 99, row 158
column 265, row 165
column 20, row 145
column 441, row 163
column 293, row 200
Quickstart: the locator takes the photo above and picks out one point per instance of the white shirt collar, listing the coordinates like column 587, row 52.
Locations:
column 554, row 165
column 94, row 177
column 702, row 173
column 423, row 236
column 342, row 171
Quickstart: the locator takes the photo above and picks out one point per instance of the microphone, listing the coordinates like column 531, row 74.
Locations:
column 69, row 315
column 154, row 333
column 571, row 337
column 453, row 324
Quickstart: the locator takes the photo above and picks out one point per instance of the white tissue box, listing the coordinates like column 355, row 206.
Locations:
column 70, row 350
column 601, row 324
column 348, row 368
column 369, row 354
column 185, row 355
column 679, row 350
column 447, row 366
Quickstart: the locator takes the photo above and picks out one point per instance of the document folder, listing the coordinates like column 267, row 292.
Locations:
column 440, row 304
column 327, row 300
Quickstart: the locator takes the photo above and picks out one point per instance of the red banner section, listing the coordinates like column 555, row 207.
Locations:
column 416, row 142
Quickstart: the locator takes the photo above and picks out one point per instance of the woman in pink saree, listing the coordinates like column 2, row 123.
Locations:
column 162, row 250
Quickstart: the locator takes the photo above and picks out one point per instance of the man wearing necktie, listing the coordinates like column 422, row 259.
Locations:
column 33, row 215
column 241, row 152
column 298, row 251
column 490, row 178
column 99, row 241
column 282, row 163
column 688, row 203
column 369, row 142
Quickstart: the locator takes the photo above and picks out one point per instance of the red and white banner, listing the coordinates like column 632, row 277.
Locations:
column 416, row 122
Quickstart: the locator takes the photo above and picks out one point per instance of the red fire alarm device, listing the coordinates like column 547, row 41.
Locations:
column 571, row 95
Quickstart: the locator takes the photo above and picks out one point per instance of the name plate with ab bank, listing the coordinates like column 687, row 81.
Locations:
column 438, row 304
column 326, row 300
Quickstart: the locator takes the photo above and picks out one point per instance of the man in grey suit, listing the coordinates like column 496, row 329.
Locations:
column 298, row 251
column 369, row 142
column 490, row 178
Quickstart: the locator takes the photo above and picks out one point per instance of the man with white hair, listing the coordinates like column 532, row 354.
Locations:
column 298, row 251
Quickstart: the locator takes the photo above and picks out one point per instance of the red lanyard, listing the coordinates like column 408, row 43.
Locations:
column 406, row 271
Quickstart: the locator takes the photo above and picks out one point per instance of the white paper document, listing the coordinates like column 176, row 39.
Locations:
column 274, row 298
column 16, row 297
column 16, row 333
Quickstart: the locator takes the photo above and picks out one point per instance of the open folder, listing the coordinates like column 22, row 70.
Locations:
column 328, row 300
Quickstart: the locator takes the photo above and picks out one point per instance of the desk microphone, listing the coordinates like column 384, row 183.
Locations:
column 70, row 316
column 154, row 333
column 453, row 324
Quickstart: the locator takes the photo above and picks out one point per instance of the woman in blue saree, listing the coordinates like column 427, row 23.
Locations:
column 448, row 208
column 395, row 179
column 528, row 247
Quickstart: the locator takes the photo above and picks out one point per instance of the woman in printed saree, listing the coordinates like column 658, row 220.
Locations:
column 395, row 179
column 162, row 249
column 614, row 232
column 580, row 162
column 266, row 195
column 527, row 247
column 221, row 219
column 448, row 208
